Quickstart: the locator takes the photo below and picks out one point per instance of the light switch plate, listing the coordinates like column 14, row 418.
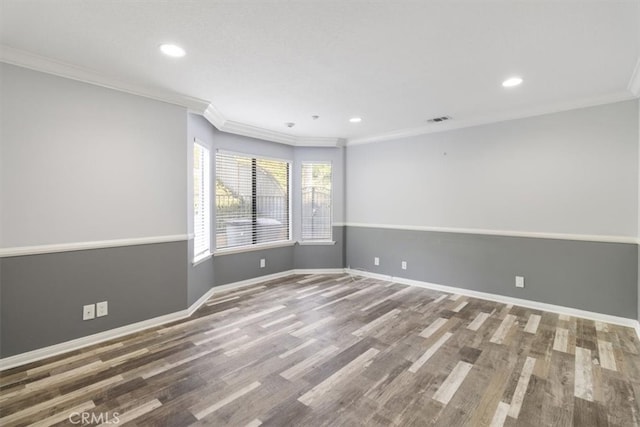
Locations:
column 102, row 309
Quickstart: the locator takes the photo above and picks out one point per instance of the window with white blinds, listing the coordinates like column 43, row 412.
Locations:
column 316, row 201
column 252, row 200
column 201, row 201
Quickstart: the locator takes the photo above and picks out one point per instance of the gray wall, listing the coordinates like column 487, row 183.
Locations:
column 599, row 277
column 246, row 265
column 322, row 256
column 42, row 295
column 82, row 163
column 573, row 172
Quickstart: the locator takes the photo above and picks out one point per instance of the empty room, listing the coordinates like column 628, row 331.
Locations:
column 319, row 213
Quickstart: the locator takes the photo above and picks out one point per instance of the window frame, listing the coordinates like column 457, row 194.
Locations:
column 255, row 246
column 205, row 253
column 319, row 241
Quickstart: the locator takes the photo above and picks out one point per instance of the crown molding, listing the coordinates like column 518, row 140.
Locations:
column 35, row 62
column 634, row 81
column 494, row 118
column 229, row 126
column 214, row 116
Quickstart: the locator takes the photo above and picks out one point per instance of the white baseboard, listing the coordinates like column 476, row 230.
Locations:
column 318, row 271
column 78, row 343
column 623, row 321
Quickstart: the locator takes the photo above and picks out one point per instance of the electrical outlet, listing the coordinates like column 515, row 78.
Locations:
column 376, row 261
column 404, row 265
column 102, row 309
column 263, row 263
column 89, row 312
column 519, row 281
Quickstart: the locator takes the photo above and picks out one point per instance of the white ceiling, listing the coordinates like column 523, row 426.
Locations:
column 393, row 63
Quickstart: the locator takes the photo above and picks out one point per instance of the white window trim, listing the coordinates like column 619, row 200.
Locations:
column 330, row 241
column 201, row 257
column 258, row 247
column 316, row 242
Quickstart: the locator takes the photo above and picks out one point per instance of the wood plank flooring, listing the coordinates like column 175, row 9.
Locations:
column 337, row 350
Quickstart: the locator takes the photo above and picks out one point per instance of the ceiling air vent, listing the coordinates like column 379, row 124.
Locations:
column 439, row 119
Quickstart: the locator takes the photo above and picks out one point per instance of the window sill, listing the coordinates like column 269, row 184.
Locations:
column 253, row 248
column 316, row 242
column 201, row 258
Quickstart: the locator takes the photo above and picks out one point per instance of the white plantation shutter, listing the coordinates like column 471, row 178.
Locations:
column 252, row 200
column 316, row 201
column 201, row 200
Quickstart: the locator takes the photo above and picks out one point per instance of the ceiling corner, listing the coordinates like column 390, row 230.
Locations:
column 214, row 116
column 320, row 142
column 634, row 82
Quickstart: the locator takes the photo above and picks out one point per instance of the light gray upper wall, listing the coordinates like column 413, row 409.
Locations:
column 335, row 155
column 572, row 172
column 84, row 163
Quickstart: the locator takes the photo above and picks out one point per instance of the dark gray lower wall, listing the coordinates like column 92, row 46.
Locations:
column 321, row 256
column 225, row 269
column 599, row 277
column 41, row 296
column 246, row 265
column 199, row 277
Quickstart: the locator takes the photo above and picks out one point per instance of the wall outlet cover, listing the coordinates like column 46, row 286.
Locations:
column 519, row 281
column 263, row 263
column 376, row 261
column 102, row 309
column 89, row 312
column 404, row 265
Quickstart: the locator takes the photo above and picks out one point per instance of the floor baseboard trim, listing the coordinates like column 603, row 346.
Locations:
column 622, row 321
column 89, row 340
column 318, row 271
column 100, row 337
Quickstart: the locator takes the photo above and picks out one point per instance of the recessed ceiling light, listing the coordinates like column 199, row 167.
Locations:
column 511, row 82
column 355, row 119
column 172, row 50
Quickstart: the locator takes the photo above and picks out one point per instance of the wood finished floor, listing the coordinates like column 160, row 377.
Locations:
column 342, row 351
